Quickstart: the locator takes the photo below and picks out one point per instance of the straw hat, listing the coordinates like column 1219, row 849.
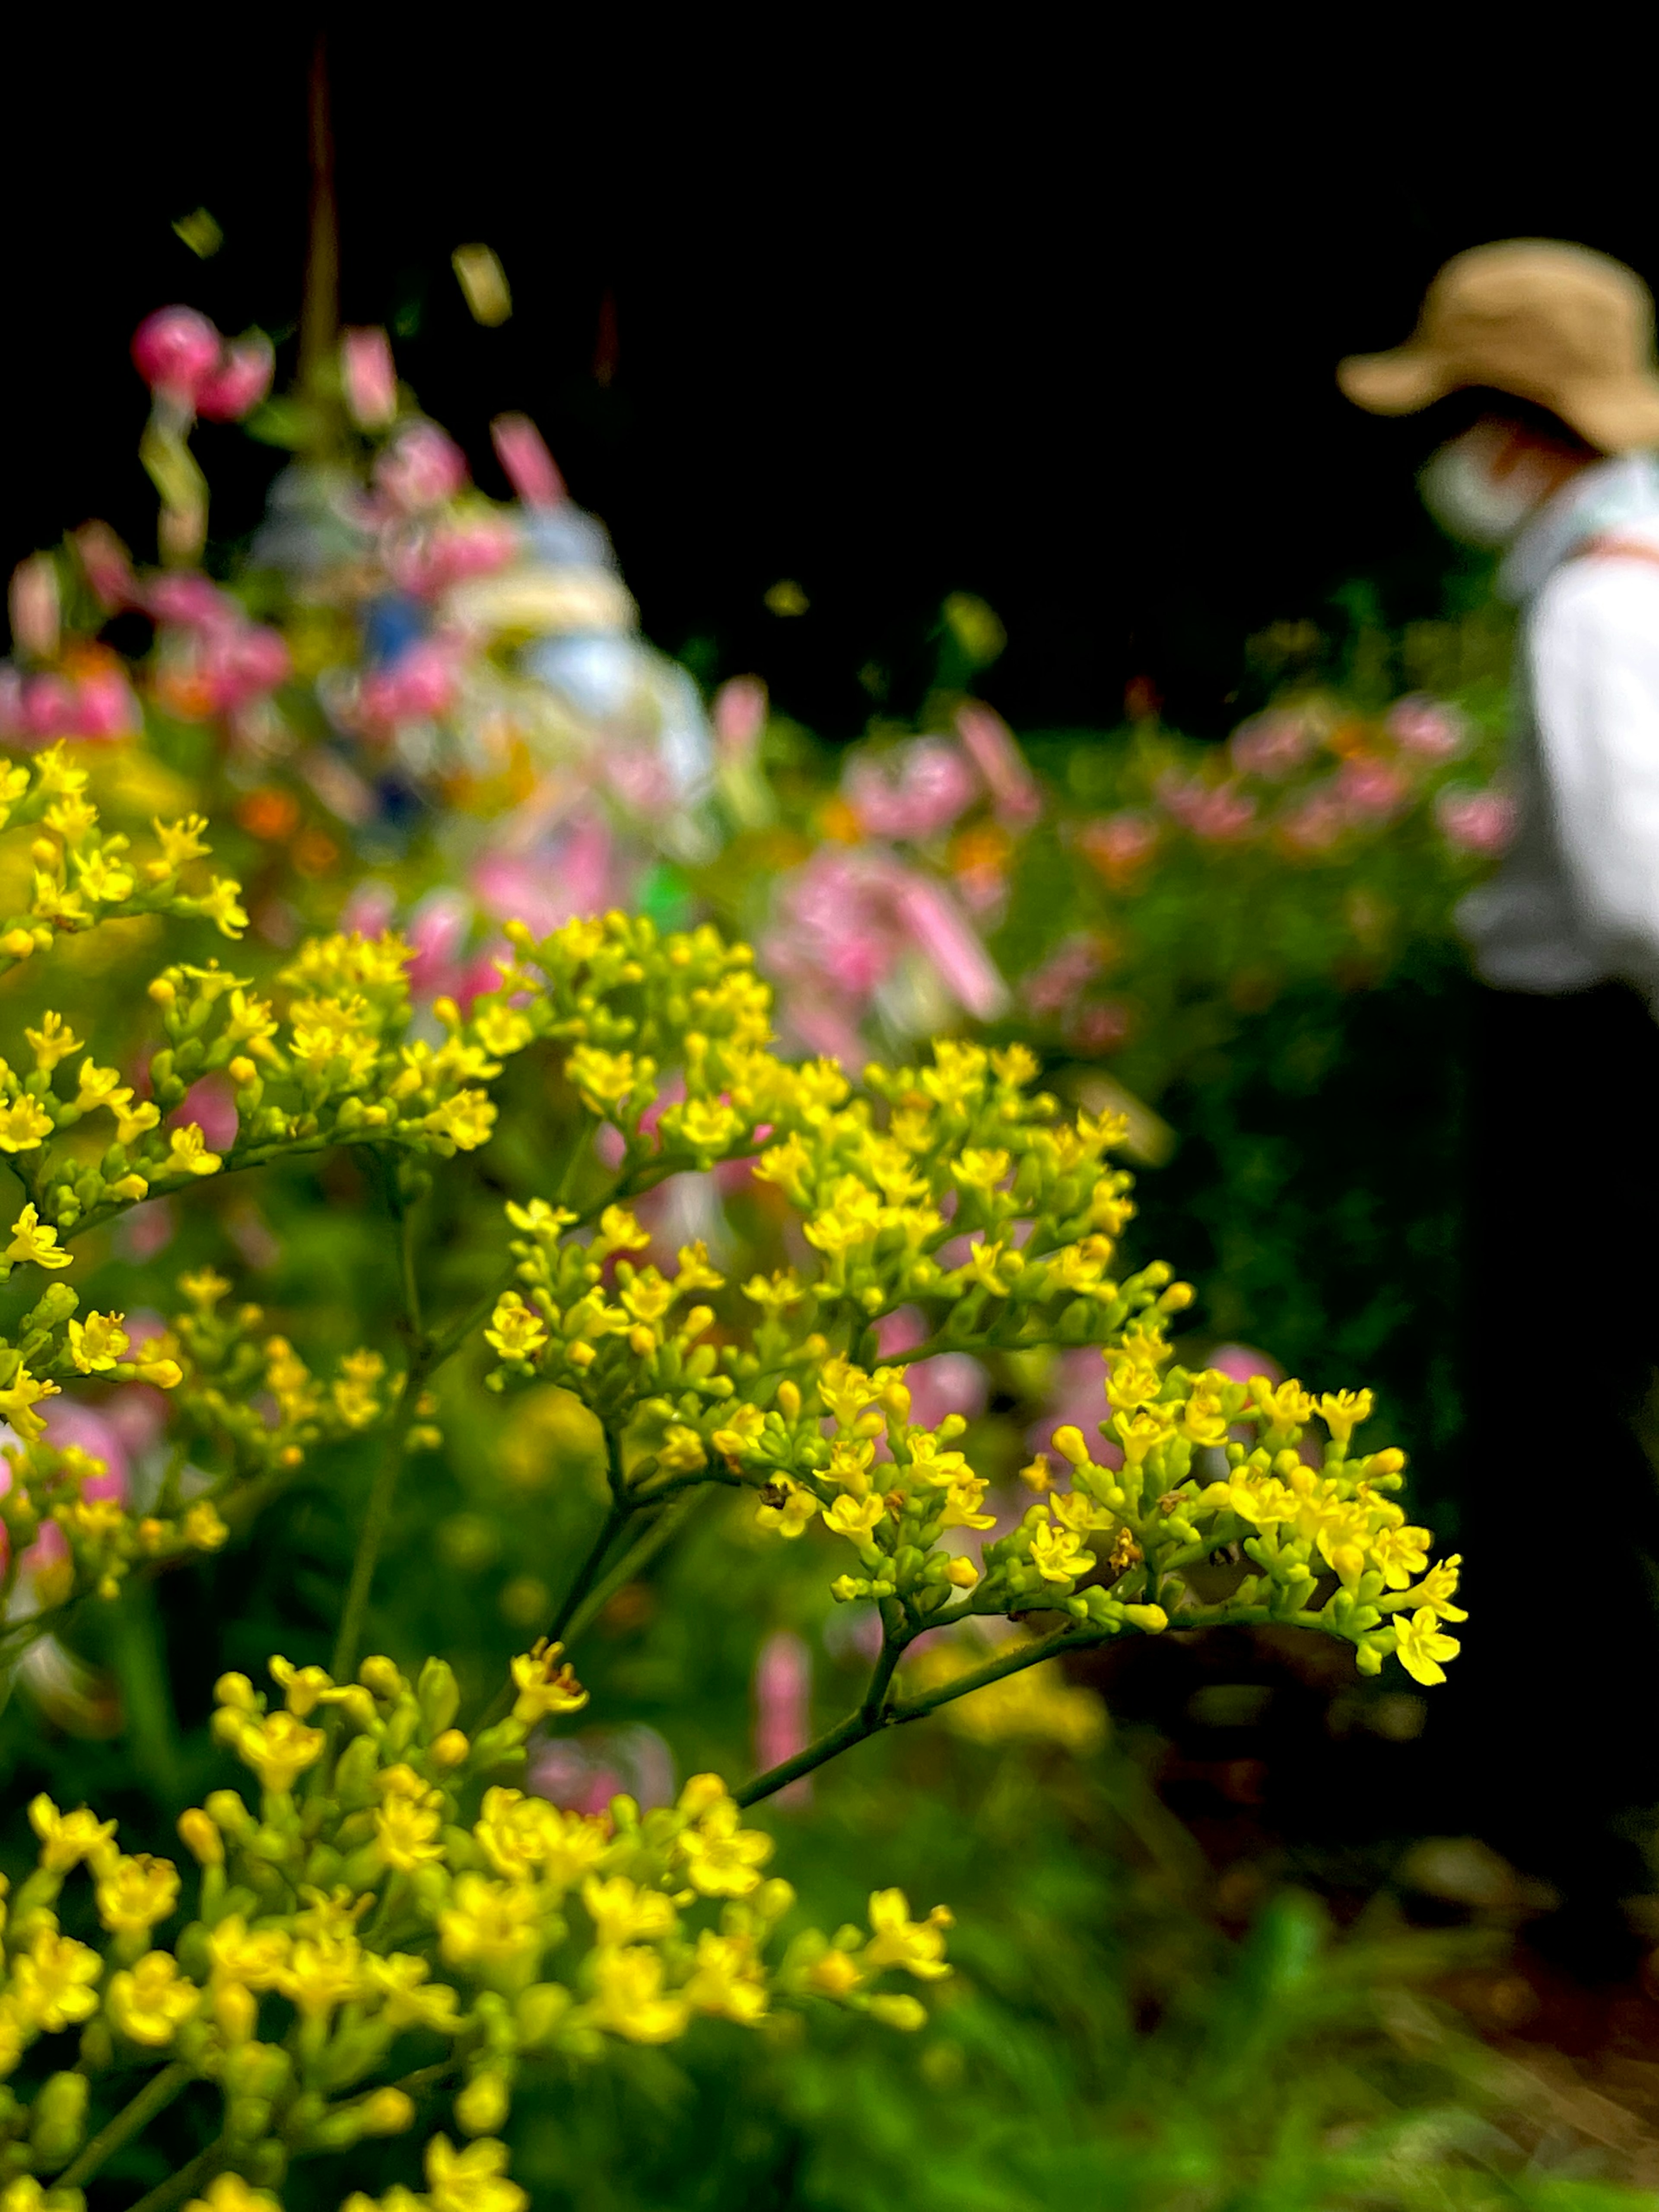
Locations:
column 1557, row 324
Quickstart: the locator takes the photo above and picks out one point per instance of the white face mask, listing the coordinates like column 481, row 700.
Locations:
column 1469, row 500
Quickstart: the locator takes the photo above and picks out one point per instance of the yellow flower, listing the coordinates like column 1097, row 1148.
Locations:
column 503, row 1031
column 1344, row 1412
column 1079, row 1512
column 53, row 1041
column 744, row 1428
column 515, row 1332
column 98, row 1342
column 217, row 904
column 603, row 1081
column 855, row 1517
column 623, row 1913
column 1439, row 1586
column 628, row 1997
column 1401, row 1554
column 722, row 1859
column 962, row 1504
column 726, row 1978
column 471, row 2180
column 302, row 1687
column 519, row 1834
column 1420, row 1647
column 409, row 1835
column 52, row 1982
column 136, row 1893
column 407, row 1999
column 466, row 1120
column 491, row 1926
column 201, row 1528
column 18, row 1401
column 132, row 1122
column 188, row 1153
column 543, row 1686
column 681, row 1451
column 895, row 1940
column 278, row 1747
column 66, row 1839
column 256, row 1960
column 32, row 1239
column 24, row 1125
column 794, row 1515
column 150, row 2003
column 1057, row 1554
column 846, row 1389
column 182, row 841
column 228, row 2192
column 980, row 1170
column 105, row 877
column 1203, row 1419
column 322, row 1972
column 1289, row 1406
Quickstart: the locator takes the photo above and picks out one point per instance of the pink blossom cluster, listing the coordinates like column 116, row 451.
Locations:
column 918, row 789
column 189, row 365
column 211, row 660
column 90, row 699
column 845, row 921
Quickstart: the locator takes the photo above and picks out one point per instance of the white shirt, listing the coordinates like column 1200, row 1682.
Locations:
column 1576, row 901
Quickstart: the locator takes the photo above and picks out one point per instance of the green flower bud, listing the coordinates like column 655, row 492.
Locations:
column 439, row 1694
column 58, row 2118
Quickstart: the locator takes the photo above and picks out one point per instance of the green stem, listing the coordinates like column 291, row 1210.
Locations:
column 666, row 1525
column 154, row 2097
column 377, row 1517
column 202, row 2167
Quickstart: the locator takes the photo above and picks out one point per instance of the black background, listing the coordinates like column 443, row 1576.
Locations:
column 1022, row 312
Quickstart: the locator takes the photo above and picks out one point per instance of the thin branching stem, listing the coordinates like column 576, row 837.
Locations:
column 157, row 2093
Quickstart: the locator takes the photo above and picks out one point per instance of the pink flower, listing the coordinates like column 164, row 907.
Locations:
column 583, row 1773
column 1217, row 814
column 1053, row 986
column 1102, row 1025
column 189, row 600
column 85, row 1427
column 555, row 884
column 995, row 753
column 175, row 350
column 1316, row 822
column 106, row 564
column 738, row 714
column 422, row 467
column 34, row 601
column 1242, row 1362
column 914, row 792
column 426, row 558
column 1371, row 789
column 1422, row 726
column 211, row 1105
column 951, row 1383
column 1077, row 1399
column 530, row 468
column 1119, row 845
column 938, row 927
column 419, row 685
column 1476, row 821
column 370, row 909
column 783, row 1707
column 1270, row 745
column 240, row 381
column 370, row 378
column 438, row 929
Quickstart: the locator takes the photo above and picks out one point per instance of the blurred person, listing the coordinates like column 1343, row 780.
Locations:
column 1546, row 350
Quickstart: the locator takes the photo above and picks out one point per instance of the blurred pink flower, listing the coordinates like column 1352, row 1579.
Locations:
column 555, row 884
column 914, row 792
column 995, row 753
column 1101, row 1024
column 69, row 1422
column 1423, row 725
column 423, row 466
column 1054, row 986
column 36, row 708
column 1243, row 1362
column 1476, row 821
column 1077, row 1397
column 783, row 1708
column 951, row 1383
column 175, row 350
column 34, row 601
column 738, row 714
column 1316, row 822
column 1270, row 745
column 238, row 382
column 369, row 376
column 419, row 684
column 211, row 1105
column 426, row 558
column 583, row 1773
column 107, row 565
column 531, row 469
column 190, row 601
column 938, row 927
column 438, row 929
column 1372, row 790
column 1218, row 814
column 370, row 909
column 1119, row 845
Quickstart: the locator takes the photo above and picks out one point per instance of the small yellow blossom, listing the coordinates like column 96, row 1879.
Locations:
column 1420, row 1647
column 278, row 1747
column 188, row 1153
column 54, row 1982
column 53, row 1041
column 1058, row 1554
column 66, row 1839
column 723, row 1859
column 24, row 1125
column 182, row 841
column 624, row 1913
column 726, row 1978
column 32, row 1239
column 543, row 1686
column 471, row 2180
column 629, row 2000
column 151, row 2002
column 515, row 1333
column 136, row 1893
column 895, row 1940
column 98, row 1342
column 855, row 1517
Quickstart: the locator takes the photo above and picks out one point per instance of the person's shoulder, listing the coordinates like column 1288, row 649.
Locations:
column 1605, row 588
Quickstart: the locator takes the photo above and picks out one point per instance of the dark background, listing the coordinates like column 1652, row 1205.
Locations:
column 1036, row 317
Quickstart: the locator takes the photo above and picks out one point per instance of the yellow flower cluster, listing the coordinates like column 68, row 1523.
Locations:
column 102, row 1542
column 81, row 877
column 389, row 1924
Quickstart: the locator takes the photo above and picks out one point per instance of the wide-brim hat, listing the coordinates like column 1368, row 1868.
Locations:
column 1566, row 328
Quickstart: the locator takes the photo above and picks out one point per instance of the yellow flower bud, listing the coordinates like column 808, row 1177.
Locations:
column 961, row 1574
column 201, row 1838
column 789, row 1400
column 1068, row 1442
column 449, row 1749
